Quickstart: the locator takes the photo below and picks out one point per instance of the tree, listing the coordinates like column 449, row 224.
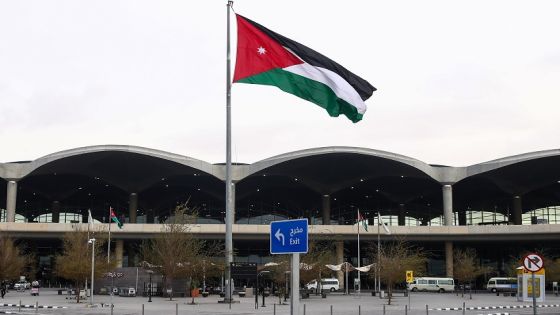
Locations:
column 176, row 253
column 466, row 267
column 395, row 259
column 552, row 270
column 74, row 263
column 279, row 268
column 12, row 261
column 313, row 263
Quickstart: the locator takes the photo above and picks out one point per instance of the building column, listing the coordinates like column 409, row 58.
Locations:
column 11, row 198
column 517, row 211
column 339, row 245
column 462, row 217
column 448, row 218
column 85, row 217
column 447, row 205
column 402, row 215
column 449, row 259
column 132, row 255
column 119, row 246
column 55, row 213
column 132, row 207
column 150, row 216
column 326, row 201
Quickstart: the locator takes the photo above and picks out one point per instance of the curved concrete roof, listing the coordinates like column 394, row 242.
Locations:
column 20, row 170
column 506, row 161
column 266, row 163
column 442, row 174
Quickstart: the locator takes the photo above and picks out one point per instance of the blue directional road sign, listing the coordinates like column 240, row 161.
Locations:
column 288, row 237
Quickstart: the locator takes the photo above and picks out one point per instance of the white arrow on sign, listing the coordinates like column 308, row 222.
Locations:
column 280, row 235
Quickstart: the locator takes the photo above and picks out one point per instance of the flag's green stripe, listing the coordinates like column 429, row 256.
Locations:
column 307, row 89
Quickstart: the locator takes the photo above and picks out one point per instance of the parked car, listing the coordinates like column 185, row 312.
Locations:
column 22, row 285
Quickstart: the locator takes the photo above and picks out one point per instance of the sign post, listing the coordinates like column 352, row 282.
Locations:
column 409, row 279
column 290, row 237
column 533, row 263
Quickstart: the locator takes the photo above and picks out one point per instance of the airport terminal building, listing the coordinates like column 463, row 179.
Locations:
column 501, row 207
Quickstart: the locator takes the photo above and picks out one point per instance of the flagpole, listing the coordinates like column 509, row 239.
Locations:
column 378, row 267
column 109, row 242
column 89, row 223
column 229, row 195
column 359, row 277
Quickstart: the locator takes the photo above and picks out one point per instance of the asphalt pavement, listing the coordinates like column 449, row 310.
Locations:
column 354, row 304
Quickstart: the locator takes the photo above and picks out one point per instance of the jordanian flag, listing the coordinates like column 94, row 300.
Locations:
column 266, row 57
column 115, row 219
column 362, row 221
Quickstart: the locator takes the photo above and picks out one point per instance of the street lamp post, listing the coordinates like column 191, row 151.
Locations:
column 256, row 299
column 286, row 278
column 150, row 288
column 92, row 242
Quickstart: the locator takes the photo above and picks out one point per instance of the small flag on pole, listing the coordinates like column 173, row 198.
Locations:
column 115, row 219
column 363, row 221
column 385, row 227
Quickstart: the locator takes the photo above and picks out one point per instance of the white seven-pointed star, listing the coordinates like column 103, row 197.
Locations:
column 261, row 50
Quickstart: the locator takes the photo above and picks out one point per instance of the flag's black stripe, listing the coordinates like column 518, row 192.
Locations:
column 316, row 59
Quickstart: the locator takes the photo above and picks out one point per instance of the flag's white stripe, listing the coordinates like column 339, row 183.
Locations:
column 340, row 87
column 383, row 224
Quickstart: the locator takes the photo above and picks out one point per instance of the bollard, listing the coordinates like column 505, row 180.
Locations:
column 274, row 308
column 176, row 308
column 463, row 308
column 142, row 308
column 19, row 306
column 383, row 309
column 36, row 307
column 112, row 307
column 359, row 310
column 426, row 309
column 303, row 309
column 406, row 310
column 331, row 309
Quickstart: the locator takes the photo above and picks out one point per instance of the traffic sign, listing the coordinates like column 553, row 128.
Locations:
column 409, row 276
column 288, row 237
column 533, row 262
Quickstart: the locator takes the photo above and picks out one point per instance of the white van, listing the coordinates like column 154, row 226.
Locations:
column 432, row 284
column 501, row 284
column 327, row 284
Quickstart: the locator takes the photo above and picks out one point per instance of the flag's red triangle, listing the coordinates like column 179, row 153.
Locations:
column 256, row 52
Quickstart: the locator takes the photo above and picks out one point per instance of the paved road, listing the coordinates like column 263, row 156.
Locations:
column 341, row 305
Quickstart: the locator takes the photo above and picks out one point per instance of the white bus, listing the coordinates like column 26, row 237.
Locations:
column 501, row 284
column 432, row 284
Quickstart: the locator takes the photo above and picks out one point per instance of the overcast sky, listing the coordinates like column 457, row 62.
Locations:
column 459, row 82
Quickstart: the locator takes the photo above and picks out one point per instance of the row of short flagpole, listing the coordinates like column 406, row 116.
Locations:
column 359, row 310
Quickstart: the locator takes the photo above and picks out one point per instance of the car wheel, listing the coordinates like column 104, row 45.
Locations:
column 494, row 290
column 441, row 290
column 414, row 289
column 332, row 290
